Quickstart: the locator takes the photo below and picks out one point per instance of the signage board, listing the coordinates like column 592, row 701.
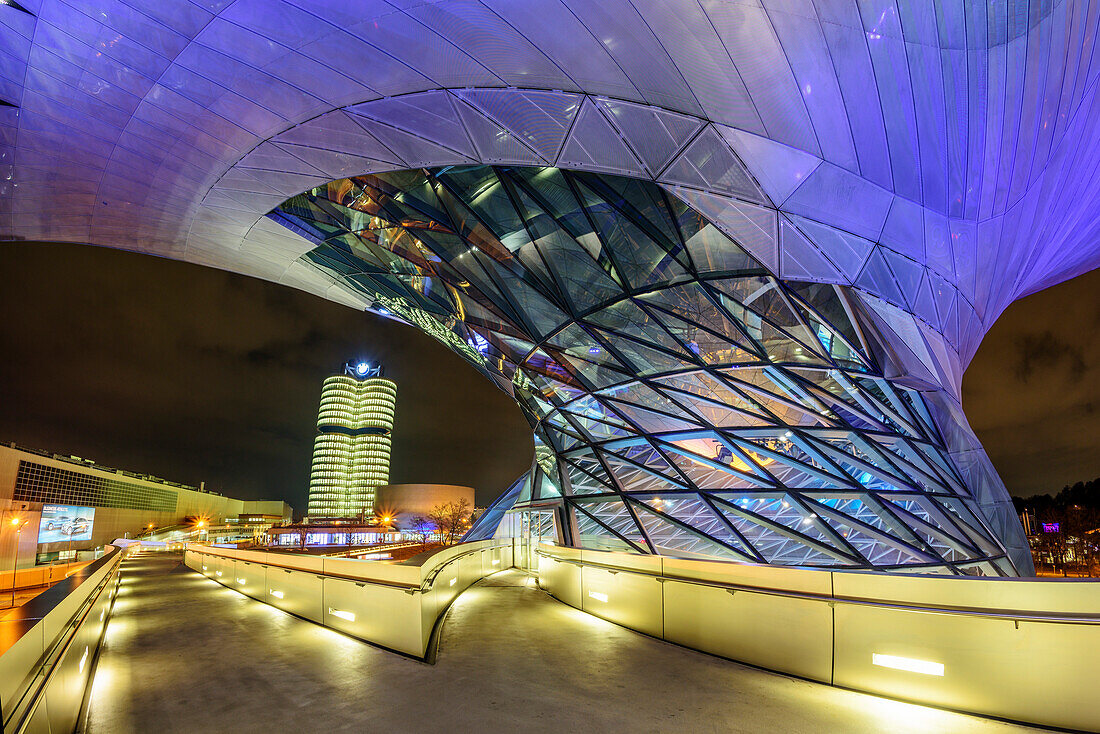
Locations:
column 65, row 523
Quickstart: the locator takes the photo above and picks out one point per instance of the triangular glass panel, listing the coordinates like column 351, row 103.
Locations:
column 800, row 260
column 593, row 143
column 597, row 536
column 877, row 279
column 655, row 134
column 709, row 473
column 709, row 164
column 779, row 168
column 638, row 258
column 653, row 422
column 495, row 144
column 846, row 250
column 717, row 414
column 751, row 227
column 776, row 547
column 645, row 360
column 429, row 115
column 633, row 478
column 585, row 283
column 691, row 303
column 703, row 343
column 671, row 539
column 540, row 119
column 625, row 316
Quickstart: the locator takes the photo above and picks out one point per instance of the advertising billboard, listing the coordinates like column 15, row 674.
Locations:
column 64, row 523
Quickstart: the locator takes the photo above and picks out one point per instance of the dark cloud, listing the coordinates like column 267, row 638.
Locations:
column 1031, row 391
column 1044, row 351
column 196, row 374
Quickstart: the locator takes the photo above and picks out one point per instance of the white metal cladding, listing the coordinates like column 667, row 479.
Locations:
column 937, row 156
column 951, row 145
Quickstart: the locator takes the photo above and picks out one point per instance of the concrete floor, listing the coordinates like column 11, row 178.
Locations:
column 184, row 654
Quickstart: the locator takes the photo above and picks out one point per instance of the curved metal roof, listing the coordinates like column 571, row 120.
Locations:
column 937, row 155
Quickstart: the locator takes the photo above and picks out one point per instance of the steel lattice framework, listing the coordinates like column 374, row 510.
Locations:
column 685, row 400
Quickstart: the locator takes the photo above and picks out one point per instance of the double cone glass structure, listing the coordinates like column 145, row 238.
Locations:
column 685, row 400
column 351, row 454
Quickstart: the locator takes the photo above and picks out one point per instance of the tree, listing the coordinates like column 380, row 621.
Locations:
column 452, row 519
column 423, row 527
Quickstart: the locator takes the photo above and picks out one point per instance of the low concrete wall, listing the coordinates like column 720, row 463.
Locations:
column 48, row 647
column 1018, row 649
column 395, row 605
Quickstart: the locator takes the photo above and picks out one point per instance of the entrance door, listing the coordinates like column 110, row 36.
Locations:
column 536, row 526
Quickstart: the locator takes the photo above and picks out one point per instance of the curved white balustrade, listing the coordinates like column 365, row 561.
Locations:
column 1018, row 649
column 395, row 605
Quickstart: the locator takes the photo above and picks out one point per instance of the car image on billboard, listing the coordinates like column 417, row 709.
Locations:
column 64, row 523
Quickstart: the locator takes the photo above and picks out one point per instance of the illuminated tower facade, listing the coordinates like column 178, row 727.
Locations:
column 351, row 455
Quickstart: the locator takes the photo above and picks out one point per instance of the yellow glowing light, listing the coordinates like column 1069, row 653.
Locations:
column 910, row 665
column 711, row 448
column 598, row 595
column 276, row 594
column 15, row 521
column 349, row 616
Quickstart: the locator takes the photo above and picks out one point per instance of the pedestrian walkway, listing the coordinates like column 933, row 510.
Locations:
column 185, row 654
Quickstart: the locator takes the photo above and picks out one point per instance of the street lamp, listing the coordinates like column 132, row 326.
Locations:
column 18, row 524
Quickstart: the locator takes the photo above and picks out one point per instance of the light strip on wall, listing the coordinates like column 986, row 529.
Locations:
column 83, row 659
column 453, row 581
column 276, row 594
column 240, row 581
column 349, row 616
column 598, row 595
column 218, row 573
column 911, row 665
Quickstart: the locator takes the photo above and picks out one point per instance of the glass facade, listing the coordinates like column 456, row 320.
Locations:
column 41, row 483
column 351, row 454
column 685, row 401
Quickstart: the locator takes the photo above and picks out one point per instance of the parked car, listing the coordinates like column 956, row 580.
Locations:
column 57, row 522
column 75, row 527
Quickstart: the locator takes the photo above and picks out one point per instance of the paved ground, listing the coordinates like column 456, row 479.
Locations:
column 22, row 596
column 184, row 654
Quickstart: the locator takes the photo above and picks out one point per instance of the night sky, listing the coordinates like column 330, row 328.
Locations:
column 194, row 374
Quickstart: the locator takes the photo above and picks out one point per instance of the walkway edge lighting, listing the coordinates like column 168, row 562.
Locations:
column 911, row 665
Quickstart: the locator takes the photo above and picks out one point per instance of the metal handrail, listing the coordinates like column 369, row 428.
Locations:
column 429, row 581
column 423, row 587
column 833, row 599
